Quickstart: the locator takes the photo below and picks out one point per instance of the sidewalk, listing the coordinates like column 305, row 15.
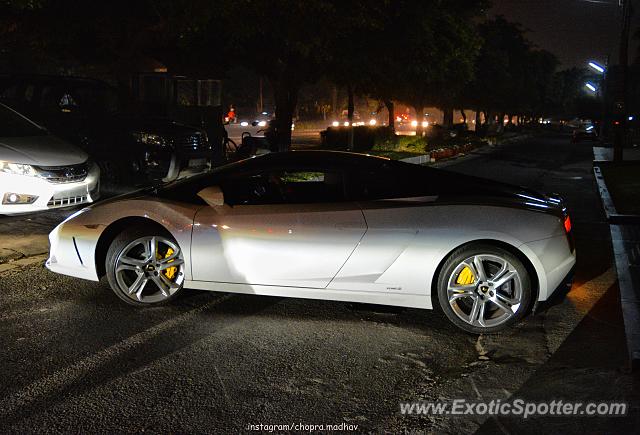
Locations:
column 27, row 235
column 625, row 238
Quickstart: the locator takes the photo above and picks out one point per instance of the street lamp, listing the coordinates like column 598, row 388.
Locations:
column 591, row 87
column 597, row 67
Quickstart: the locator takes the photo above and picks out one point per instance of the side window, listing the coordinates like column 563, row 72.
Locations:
column 311, row 186
column 284, row 187
column 253, row 189
column 388, row 181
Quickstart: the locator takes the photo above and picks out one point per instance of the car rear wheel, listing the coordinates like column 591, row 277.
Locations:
column 145, row 267
column 484, row 289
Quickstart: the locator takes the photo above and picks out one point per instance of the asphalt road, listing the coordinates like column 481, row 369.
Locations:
column 75, row 359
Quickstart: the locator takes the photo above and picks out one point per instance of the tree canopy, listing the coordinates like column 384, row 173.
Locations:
column 421, row 53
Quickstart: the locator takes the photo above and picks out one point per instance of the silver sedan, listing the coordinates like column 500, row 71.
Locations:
column 334, row 226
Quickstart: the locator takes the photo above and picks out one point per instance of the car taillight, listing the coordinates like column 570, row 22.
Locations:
column 568, row 232
column 567, row 224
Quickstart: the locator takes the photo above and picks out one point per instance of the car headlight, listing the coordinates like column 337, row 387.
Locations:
column 150, row 139
column 17, row 168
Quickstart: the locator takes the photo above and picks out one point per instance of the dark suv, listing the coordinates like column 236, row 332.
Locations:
column 131, row 149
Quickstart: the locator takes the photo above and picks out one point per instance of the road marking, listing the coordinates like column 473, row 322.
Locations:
column 68, row 375
column 224, row 389
column 475, row 388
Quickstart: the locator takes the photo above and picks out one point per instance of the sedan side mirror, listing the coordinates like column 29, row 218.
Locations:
column 212, row 195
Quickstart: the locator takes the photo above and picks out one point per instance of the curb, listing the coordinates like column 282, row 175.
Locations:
column 628, row 301
column 609, row 208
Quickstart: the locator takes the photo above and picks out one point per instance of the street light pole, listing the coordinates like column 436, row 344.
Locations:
column 621, row 135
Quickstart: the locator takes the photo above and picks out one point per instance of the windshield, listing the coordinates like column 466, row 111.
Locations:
column 14, row 125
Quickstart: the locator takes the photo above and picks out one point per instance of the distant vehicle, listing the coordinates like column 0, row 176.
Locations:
column 39, row 171
column 131, row 149
column 254, row 127
column 332, row 226
column 584, row 134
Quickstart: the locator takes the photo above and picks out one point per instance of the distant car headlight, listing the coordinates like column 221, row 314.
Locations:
column 414, row 123
column 244, row 124
column 262, row 123
column 149, row 139
column 335, row 124
column 17, row 169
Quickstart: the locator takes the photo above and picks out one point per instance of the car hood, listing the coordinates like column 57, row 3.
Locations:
column 45, row 150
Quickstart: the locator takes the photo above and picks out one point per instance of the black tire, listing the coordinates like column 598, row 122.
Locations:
column 450, row 266
column 120, row 242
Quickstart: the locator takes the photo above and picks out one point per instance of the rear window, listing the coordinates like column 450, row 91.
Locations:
column 14, row 125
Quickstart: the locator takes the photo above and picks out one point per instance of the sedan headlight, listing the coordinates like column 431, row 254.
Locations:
column 150, row 139
column 17, row 168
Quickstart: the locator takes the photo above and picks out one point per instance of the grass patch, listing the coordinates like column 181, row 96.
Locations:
column 623, row 183
column 400, row 147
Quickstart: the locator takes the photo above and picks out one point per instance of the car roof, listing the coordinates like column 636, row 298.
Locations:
column 304, row 158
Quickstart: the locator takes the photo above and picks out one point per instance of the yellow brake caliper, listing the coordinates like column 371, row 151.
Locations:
column 465, row 277
column 170, row 272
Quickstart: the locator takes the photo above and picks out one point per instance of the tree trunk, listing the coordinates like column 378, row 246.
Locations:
column 392, row 115
column 350, row 110
column 488, row 117
column 478, row 127
column 286, row 97
column 419, row 108
column 464, row 116
column 500, row 122
column 447, row 120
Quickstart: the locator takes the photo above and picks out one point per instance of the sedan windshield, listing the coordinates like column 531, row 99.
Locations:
column 13, row 124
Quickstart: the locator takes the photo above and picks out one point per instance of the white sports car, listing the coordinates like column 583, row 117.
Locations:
column 329, row 225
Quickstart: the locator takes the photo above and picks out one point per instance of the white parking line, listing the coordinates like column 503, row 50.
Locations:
column 74, row 372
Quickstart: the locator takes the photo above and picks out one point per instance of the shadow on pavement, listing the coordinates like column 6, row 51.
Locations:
column 582, row 373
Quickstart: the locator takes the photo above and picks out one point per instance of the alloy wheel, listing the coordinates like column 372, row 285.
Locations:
column 150, row 269
column 485, row 290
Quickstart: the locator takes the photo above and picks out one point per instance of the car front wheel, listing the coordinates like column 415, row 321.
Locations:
column 145, row 267
column 484, row 289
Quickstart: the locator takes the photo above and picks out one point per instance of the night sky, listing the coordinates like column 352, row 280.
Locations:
column 576, row 31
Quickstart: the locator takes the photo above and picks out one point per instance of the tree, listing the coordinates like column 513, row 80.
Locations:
column 106, row 36
column 429, row 49
column 286, row 42
column 512, row 77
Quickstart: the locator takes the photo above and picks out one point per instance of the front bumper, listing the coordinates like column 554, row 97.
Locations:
column 49, row 195
column 72, row 249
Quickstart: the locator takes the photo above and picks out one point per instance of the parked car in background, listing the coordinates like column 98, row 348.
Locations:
column 38, row 171
column 131, row 149
column 587, row 133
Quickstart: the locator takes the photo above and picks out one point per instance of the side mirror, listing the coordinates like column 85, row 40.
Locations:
column 212, row 195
